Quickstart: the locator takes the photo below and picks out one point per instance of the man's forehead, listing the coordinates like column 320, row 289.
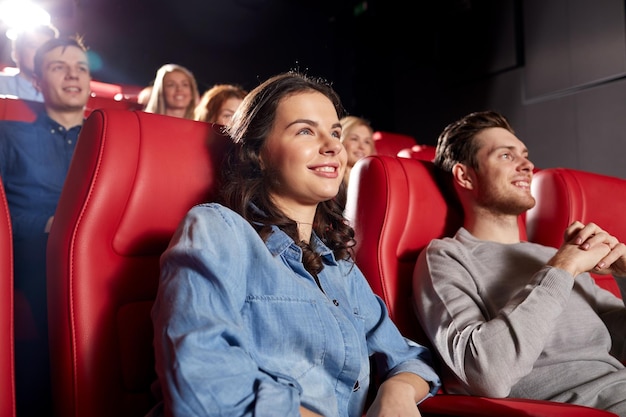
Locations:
column 65, row 53
column 497, row 137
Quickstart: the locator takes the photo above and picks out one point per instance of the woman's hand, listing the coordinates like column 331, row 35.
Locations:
column 398, row 396
column 308, row 413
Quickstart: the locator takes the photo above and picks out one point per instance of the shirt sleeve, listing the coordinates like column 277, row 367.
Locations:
column 201, row 358
column 477, row 348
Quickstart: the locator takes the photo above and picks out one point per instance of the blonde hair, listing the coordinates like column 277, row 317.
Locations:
column 156, row 103
column 350, row 122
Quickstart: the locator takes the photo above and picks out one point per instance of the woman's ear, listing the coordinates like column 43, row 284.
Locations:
column 462, row 175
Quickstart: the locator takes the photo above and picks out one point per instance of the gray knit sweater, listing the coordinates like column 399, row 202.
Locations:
column 506, row 325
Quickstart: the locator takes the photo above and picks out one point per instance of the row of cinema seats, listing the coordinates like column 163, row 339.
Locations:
column 12, row 108
column 10, row 331
column 404, row 146
column 129, row 185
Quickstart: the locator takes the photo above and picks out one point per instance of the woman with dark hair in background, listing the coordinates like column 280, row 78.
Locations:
column 219, row 103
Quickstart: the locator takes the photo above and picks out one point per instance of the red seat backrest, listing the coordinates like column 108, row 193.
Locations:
column 20, row 110
column 7, row 370
column 103, row 102
column 425, row 152
column 12, row 108
column 396, row 208
column 388, row 143
column 133, row 177
column 564, row 195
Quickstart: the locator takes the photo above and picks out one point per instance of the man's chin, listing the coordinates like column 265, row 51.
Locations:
column 70, row 107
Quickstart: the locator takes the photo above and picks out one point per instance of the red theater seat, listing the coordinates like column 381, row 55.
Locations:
column 12, row 108
column 7, row 370
column 388, row 143
column 133, row 177
column 425, row 152
column 564, row 195
column 397, row 208
column 100, row 102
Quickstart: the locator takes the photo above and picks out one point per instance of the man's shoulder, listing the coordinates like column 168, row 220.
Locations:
column 15, row 128
column 16, row 124
column 444, row 242
column 7, row 84
column 5, row 77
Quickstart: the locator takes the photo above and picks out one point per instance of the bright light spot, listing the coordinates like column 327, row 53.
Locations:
column 118, row 97
column 21, row 15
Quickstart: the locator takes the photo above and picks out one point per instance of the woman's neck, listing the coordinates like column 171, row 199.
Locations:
column 176, row 112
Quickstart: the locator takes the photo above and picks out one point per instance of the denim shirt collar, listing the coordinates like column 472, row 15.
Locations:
column 278, row 242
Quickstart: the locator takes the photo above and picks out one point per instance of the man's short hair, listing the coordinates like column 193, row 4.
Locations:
column 76, row 41
column 48, row 30
column 457, row 144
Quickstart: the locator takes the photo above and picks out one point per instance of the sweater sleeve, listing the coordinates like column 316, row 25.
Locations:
column 612, row 312
column 480, row 320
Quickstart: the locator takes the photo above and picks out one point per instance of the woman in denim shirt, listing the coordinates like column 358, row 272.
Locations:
column 260, row 309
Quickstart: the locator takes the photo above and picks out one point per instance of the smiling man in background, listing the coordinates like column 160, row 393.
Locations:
column 24, row 44
column 34, row 160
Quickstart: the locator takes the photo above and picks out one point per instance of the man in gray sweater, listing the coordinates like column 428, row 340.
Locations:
column 512, row 318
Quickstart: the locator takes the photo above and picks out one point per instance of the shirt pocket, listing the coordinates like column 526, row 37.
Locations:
column 288, row 335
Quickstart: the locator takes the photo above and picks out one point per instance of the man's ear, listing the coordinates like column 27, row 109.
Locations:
column 462, row 175
column 37, row 83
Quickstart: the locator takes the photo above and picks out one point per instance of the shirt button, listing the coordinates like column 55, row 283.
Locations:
column 69, row 141
column 335, row 302
column 357, row 386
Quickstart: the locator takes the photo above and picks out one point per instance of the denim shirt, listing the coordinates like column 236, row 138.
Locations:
column 242, row 329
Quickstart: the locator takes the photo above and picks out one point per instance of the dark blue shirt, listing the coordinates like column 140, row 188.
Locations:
column 34, row 159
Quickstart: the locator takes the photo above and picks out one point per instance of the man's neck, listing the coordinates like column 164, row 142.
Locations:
column 486, row 225
column 67, row 119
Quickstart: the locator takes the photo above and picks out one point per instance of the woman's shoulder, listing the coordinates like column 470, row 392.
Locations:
column 215, row 215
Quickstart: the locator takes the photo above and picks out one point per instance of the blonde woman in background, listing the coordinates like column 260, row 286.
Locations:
column 356, row 137
column 219, row 103
column 174, row 92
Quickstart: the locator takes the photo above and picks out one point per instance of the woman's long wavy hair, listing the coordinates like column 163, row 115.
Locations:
column 246, row 182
